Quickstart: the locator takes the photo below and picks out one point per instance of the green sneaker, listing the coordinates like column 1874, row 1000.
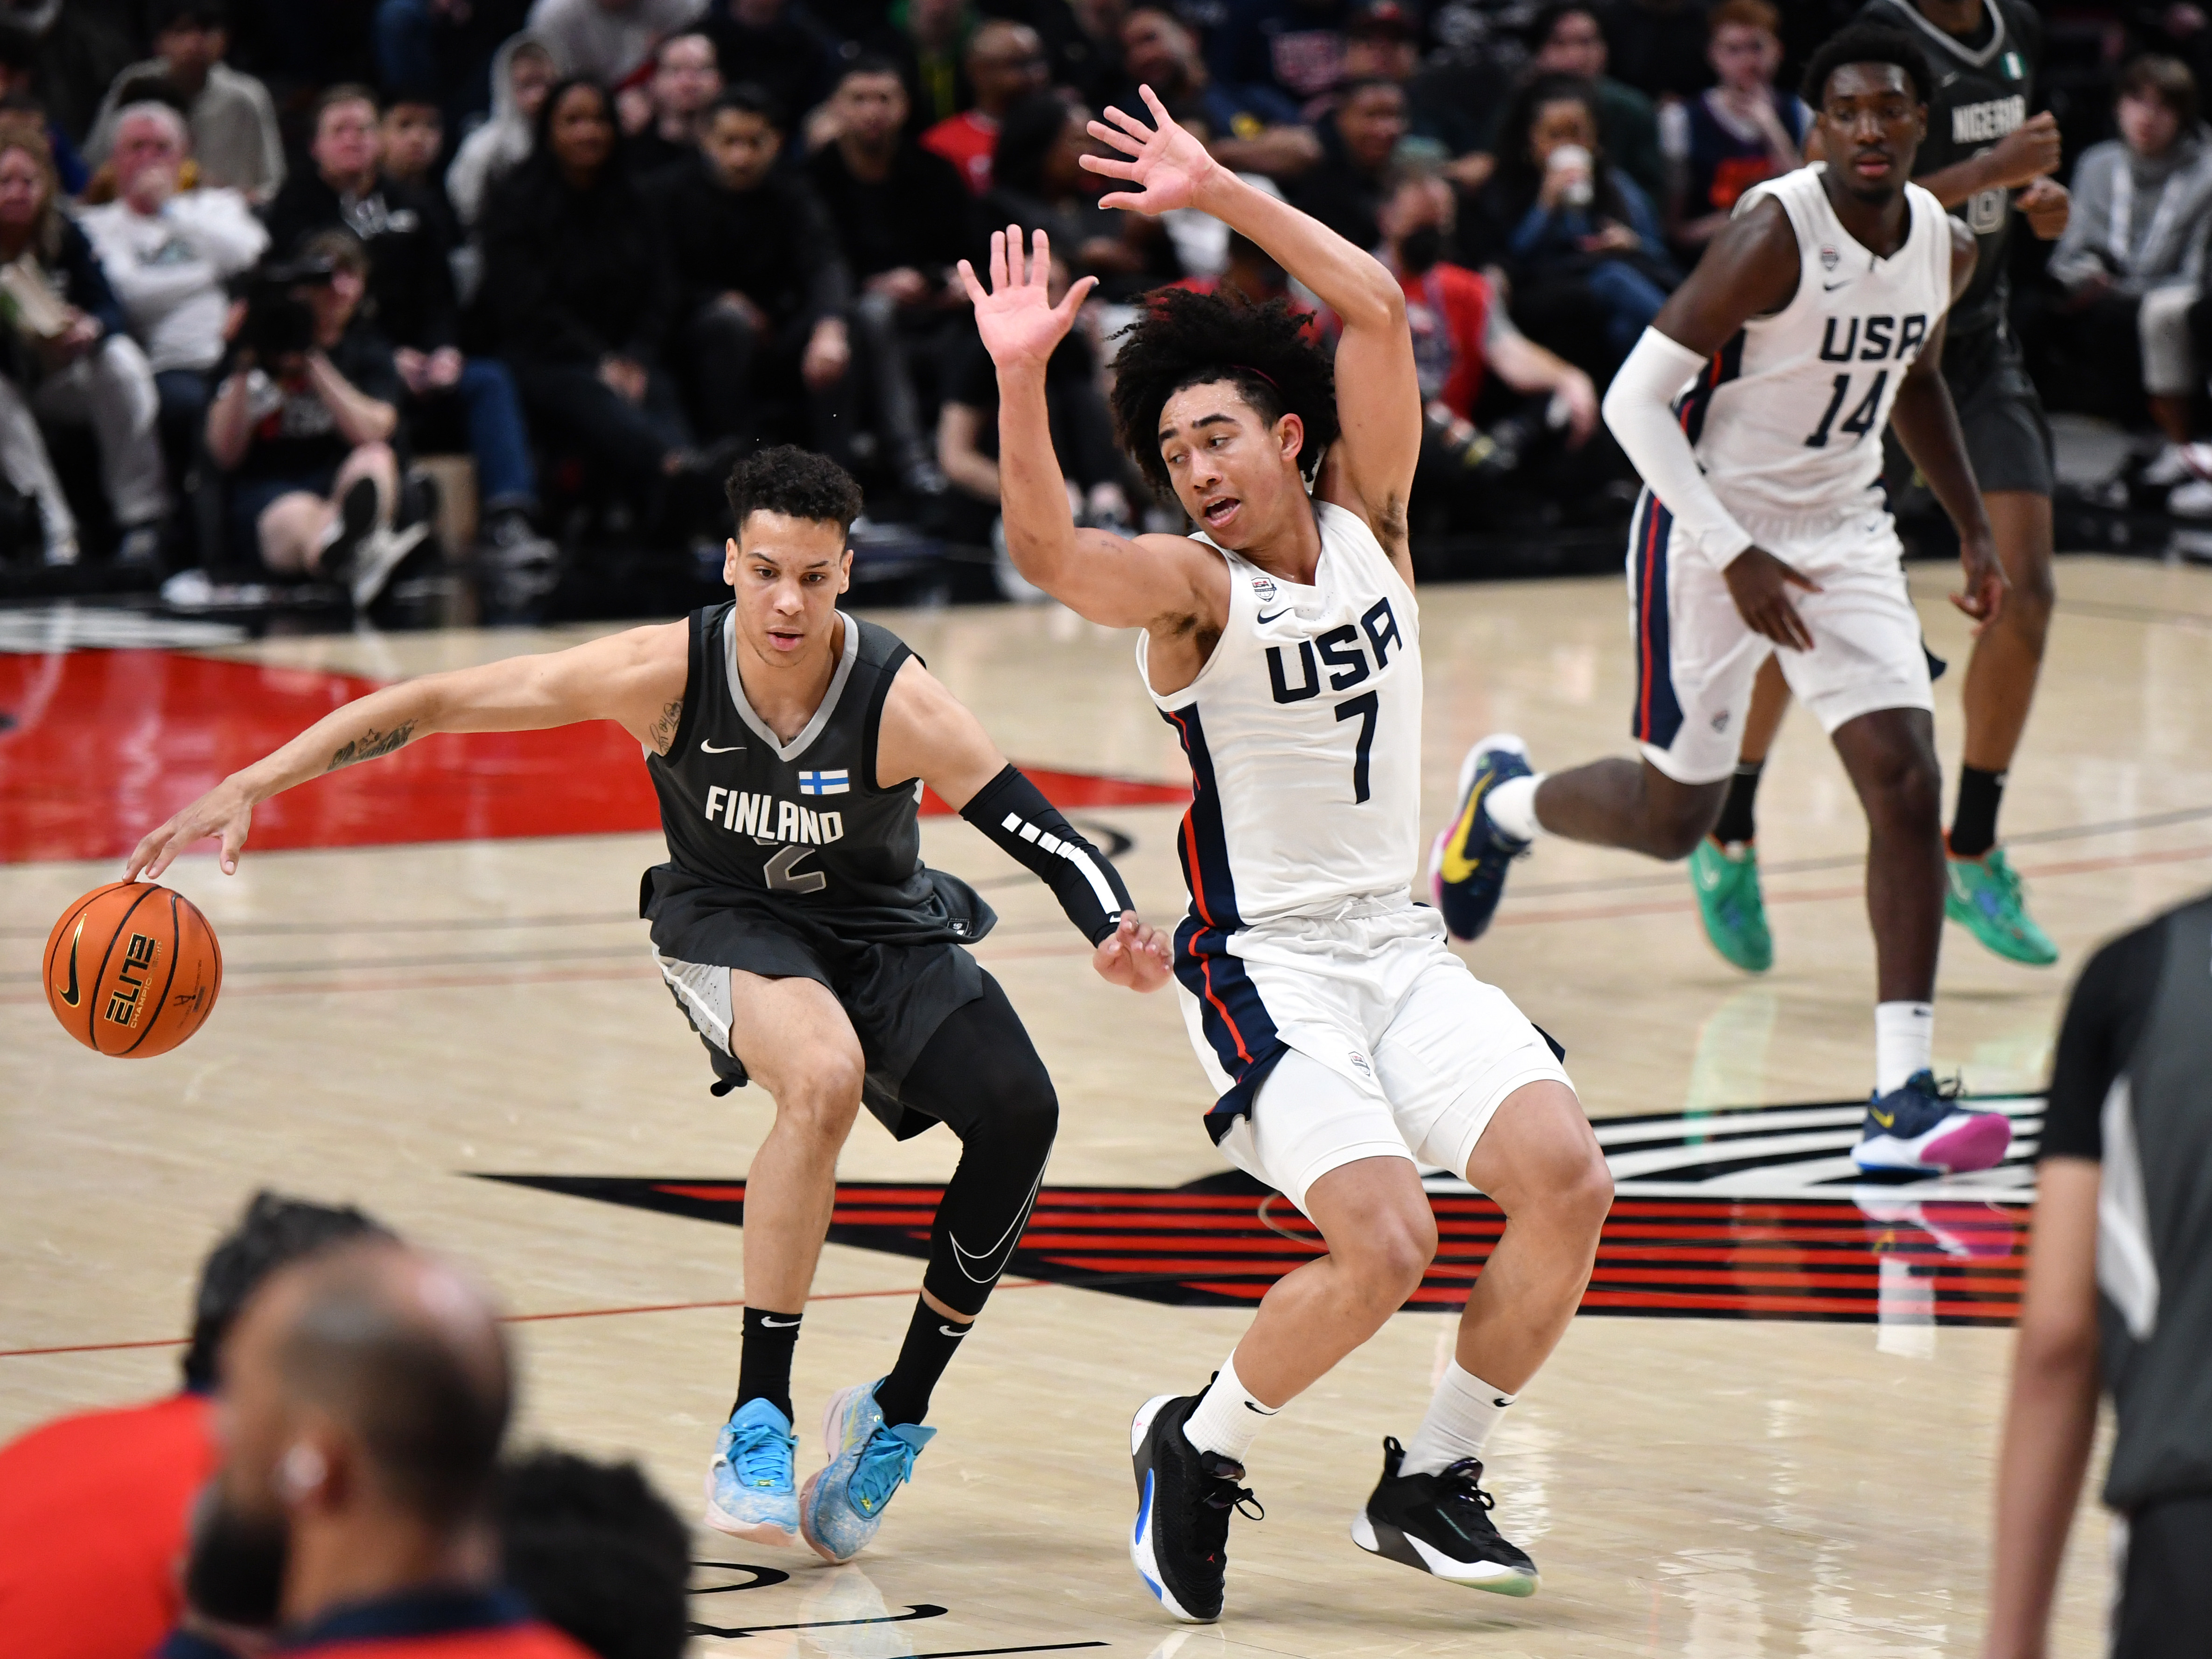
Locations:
column 1726, row 881
column 1985, row 894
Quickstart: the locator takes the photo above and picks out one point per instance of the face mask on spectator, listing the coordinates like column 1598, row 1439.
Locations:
column 1420, row 248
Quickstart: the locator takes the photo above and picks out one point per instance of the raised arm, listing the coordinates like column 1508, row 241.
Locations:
column 635, row 679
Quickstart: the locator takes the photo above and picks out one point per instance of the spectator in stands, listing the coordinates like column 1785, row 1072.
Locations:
column 608, row 40
column 1657, row 47
column 366, row 1393
column 1382, row 42
column 1578, row 239
column 929, row 43
column 760, row 287
column 781, row 47
column 522, row 72
column 235, row 142
column 19, row 66
column 410, row 138
column 94, row 1507
column 1735, row 133
column 1567, row 40
column 1295, row 46
column 1006, row 63
column 1085, row 49
column 69, row 358
column 1042, row 184
column 1247, row 129
column 441, row 51
column 168, row 253
column 1251, row 271
column 581, row 292
column 687, row 76
column 304, row 422
column 597, row 1553
column 2132, row 262
column 449, row 401
column 1357, row 142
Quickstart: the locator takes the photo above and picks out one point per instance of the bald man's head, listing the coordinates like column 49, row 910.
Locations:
column 1005, row 62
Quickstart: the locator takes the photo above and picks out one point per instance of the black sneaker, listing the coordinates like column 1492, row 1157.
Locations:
column 1440, row 1524
column 356, row 518
column 1180, row 1544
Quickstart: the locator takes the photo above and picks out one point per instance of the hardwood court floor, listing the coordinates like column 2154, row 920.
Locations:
column 400, row 1019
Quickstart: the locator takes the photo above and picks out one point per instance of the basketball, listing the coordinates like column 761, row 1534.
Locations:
column 132, row 969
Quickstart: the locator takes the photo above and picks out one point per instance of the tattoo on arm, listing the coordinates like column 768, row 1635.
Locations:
column 663, row 729
column 371, row 744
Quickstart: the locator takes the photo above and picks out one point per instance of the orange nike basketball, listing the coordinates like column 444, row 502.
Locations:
column 132, row 969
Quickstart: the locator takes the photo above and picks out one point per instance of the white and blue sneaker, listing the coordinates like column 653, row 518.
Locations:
column 749, row 1491
column 1922, row 1127
column 843, row 1504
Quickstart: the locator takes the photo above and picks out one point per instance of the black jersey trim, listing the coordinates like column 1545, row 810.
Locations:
column 887, row 672
column 695, row 682
column 1979, row 56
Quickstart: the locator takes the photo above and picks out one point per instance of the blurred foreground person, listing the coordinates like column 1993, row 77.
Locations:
column 597, row 1553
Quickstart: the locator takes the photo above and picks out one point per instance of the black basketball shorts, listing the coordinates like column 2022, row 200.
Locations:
column 2164, row 1607
column 2000, row 416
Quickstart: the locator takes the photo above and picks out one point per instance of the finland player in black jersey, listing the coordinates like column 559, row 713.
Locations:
column 804, row 938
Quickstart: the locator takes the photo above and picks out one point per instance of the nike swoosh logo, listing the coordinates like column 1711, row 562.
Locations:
column 70, row 996
column 952, row 1330
column 1830, row 287
column 1501, row 1404
column 1270, row 616
column 1004, row 1249
column 1887, row 1120
column 777, row 1324
column 1457, row 866
column 732, row 749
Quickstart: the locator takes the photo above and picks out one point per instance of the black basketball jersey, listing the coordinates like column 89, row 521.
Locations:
column 801, row 829
column 1984, row 84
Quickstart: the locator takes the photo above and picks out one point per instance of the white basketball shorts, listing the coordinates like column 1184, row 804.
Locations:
column 1696, row 657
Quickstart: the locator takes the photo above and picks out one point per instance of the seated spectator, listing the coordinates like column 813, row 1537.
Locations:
column 597, row 1553
column 1250, row 270
column 449, row 401
column 411, row 136
column 686, row 78
column 69, row 357
column 235, row 142
column 582, row 294
column 1006, row 63
column 1462, row 337
column 303, row 425
column 2131, row 262
column 928, row 41
column 522, row 72
column 1383, row 42
column 1657, row 47
column 777, row 45
column 1083, row 39
column 1566, row 39
column 19, row 66
column 94, row 1507
column 1042, row 184
column 1357, row 142
column 1734, row 134
column 167, row 253
column 441, row 51
column 760, row 288
column 608, row 40
column 1247, row 129
column 1295, row 47
column 1578, row 239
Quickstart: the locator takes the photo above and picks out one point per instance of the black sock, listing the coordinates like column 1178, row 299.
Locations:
column 764, row 1362
column 1736, row 824
column 1974, row 825
column 931, row 1339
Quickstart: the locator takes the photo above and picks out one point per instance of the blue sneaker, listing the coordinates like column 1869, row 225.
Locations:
column 749, row 1485
column 1468, row 860
column 1923, row 1127
column 843, row 1504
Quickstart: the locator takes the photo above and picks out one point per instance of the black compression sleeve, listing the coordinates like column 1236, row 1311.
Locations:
column 1014, row 812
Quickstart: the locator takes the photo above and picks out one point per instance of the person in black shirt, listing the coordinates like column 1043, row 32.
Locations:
column 777, row 45
column 1357, row 142
column 450, row 401
column 2120, row 1270
column 686, row 77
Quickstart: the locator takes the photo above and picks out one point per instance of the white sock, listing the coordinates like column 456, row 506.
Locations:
column 1512, row 806
column 1461, row 1417
column 1904, row 1043
column 1226, row 1419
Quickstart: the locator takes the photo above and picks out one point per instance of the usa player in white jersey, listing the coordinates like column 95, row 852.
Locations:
column 1341, row 1037
column 1753, row 407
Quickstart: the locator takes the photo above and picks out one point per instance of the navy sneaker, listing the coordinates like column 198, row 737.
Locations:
column 1922, row 1127
column 1468, row 860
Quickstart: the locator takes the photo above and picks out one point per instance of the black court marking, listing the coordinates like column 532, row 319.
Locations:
column 1750, row 1213
column 917, row 1610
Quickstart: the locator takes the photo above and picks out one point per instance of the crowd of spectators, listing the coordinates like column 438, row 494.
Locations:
column 268, row 256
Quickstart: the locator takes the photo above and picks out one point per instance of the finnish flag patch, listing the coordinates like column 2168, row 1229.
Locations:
column 825, row 783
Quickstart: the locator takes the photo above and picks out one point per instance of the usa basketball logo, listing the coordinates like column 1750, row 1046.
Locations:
column 1829, row 258
column 1264, row 588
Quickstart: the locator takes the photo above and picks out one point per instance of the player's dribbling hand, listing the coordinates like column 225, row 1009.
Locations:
column 1983, row 597
column 1016, row 317
column 225, row 811
column 2047, row 205
column 1759, row 584
column 1168, row 166
column 1133, row 954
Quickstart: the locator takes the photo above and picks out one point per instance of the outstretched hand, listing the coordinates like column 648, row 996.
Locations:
column 225, row 811
column 1133, row 954
column 1016, row 316
column 1168, row 164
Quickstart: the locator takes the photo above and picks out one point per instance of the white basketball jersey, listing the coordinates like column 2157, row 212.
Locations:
column 1303, row 732
column 1787, row 418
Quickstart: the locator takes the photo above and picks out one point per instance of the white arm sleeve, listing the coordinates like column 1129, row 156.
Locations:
column 1638, row 410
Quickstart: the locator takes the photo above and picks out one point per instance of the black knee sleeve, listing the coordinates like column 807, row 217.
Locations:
column 980, row 1076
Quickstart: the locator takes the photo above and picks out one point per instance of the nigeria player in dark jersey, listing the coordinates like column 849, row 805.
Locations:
column 803, row 937
column 1986, row 159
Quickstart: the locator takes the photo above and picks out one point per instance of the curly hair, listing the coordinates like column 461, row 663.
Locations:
column 1867, row 43
column 1186, row 338
column 796, row 482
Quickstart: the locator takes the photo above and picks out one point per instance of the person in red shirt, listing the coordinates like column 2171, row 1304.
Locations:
column 94, row 1507
column 1005, row 64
